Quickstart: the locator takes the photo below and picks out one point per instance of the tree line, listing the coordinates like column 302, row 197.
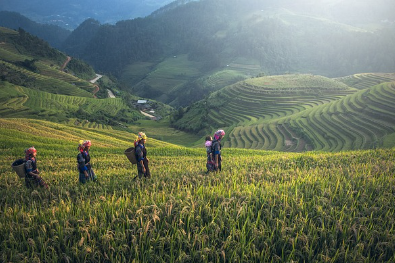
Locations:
column 193, row 28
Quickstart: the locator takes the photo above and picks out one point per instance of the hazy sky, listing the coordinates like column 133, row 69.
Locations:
column 71, row 13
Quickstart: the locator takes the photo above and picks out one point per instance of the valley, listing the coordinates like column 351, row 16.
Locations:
column 304, row 92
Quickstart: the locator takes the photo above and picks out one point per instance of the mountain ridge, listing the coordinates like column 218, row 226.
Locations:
column 240, row 40
column 199, row 74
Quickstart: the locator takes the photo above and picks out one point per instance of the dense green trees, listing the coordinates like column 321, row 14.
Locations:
column 54, row 35
column 81, row 69
column 218, row 31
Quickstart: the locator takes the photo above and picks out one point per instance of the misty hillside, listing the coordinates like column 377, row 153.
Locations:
column 188, row 49
column 69, row 14
column 39, row 82
column 292, row 112
column 53, row 34
column 243, row 39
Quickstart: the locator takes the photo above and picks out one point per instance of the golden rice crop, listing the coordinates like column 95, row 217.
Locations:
column 263, row 207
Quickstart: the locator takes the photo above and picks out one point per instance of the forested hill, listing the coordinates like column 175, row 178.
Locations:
column 248, row 37
column 188, row 49
column 69, row 14
column 53, row 34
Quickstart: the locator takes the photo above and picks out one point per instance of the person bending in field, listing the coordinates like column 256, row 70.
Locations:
column 84, row 162
column 216, row 149
column 141, row 156
column 210, row 162
column 32, row 173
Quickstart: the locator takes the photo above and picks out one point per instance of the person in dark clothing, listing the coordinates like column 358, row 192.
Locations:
column 32, row 173
column 216, row 145
column 84, row 165
column 141, row 156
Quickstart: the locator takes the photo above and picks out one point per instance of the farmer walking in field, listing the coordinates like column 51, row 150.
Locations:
column 84, row 165
column 32, row 173
column 141, row 156
column 216, row 146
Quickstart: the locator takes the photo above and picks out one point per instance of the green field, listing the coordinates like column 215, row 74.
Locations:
column 331, row 203
column 24, row 57
column 367, row 80
column 263, row 207
column 17, row 101
column 163, row 80
column 162, row 131
column 295, row 113
column 165, row 77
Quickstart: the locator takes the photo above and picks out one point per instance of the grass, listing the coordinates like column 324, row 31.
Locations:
column 262, row 100
column 366, row 80
column 160, row 130
column 169, row 77
column 44, row 73
column 25, row 102
column 22, row 102
column 263, row 207
column 350, row 121
column 168, row 74
column 52, row 84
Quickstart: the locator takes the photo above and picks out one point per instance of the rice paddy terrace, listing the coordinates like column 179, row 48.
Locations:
column 367, row 80
column 47, row 78
column 16, row 101
column 39, row 67
column 17, row 132
column 260, row 100
column 34, row 85
column 262, row 207
column 306, row 112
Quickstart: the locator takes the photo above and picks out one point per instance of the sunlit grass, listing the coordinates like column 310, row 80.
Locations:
column 263, row 207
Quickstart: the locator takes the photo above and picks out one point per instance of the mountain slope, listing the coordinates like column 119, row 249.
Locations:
column 37, row 81
column 259, row 100
column 54, row 35
column 20, row 132
column 363, row 120
column 69, row 14
column 299, row 113
column 251, row 37
column 27, row 103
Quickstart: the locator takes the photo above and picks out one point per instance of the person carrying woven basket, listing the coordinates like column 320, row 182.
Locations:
column 32, row 173
column 84, row 162
column 141, row 156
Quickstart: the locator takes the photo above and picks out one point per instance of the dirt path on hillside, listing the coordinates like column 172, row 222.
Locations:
column 97, row 88
column 98, row 76
column 65, row 63
column 148, row 115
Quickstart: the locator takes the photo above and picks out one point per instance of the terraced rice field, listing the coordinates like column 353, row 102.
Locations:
column 24, row 102
column 262, row 207
column 48, row 78
column 264, row 99
column 357, row 121
column 367, row 80
column 50, row 84
column 293, row 118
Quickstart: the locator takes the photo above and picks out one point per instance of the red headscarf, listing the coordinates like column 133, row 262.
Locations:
column 29, row 152
column 82, row 144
